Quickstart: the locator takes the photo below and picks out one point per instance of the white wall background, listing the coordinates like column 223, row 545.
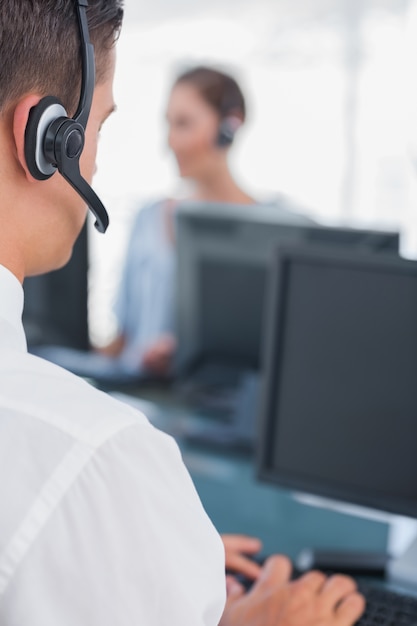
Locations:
column 332, row 97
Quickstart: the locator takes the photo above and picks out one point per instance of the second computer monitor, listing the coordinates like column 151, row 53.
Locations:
column 339, row 409
column 223, row 255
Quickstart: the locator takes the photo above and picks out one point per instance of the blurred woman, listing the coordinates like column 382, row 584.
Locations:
column 205, row 110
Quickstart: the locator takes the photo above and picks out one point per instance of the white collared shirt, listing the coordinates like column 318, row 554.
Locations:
column 100, row 524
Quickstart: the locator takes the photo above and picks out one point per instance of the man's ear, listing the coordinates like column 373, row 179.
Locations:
column 20, row 120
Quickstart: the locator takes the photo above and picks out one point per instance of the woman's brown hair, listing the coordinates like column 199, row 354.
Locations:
column 218, row 89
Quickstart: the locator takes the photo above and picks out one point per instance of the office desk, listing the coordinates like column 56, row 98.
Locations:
column 237, row 503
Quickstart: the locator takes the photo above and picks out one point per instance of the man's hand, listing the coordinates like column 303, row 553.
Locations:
column 274, row 600
column 237, row 550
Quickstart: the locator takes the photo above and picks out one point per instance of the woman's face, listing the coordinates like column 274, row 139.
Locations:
column 192, row 131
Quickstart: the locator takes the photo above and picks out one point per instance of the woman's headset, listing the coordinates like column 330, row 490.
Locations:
column 54, row 141
column 230, row 121
column 228, row 127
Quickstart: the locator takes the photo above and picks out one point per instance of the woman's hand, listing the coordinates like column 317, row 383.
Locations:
column 158, row 357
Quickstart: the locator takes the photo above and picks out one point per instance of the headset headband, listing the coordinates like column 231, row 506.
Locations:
column 88, row 66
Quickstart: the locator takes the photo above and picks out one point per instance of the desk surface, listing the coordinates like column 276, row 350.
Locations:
column 238, row 503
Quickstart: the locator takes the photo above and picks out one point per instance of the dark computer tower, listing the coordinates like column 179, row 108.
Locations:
column 55, row 311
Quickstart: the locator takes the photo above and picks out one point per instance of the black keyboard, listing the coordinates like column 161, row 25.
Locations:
column 387, row 608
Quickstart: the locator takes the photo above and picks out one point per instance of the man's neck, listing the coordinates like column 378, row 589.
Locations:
column 11, row 259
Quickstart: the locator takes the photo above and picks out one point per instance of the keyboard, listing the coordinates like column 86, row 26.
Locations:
column 387, row 608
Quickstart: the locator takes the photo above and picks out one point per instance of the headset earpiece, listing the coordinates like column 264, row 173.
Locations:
column 54, row 141
column 227, row 130
column 40, row 119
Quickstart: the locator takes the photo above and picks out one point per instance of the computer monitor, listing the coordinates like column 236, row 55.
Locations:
column 223, row 256
column 338, row 414
column 55, row 310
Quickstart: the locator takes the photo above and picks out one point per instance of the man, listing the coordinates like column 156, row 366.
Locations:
column 100, row 524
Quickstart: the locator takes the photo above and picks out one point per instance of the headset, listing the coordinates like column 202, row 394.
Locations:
column 230, row 122
column 54, row 141
column 227, row 130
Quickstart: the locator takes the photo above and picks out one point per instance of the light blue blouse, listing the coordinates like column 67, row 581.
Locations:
column 145, row 303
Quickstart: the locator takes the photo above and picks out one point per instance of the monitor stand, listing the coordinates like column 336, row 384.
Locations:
column 402, row 546
column 400, row 560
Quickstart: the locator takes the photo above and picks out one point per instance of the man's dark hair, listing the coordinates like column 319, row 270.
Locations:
column 218, row 89
column 40, row 47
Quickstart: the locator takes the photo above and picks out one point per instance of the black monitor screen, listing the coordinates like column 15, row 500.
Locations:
column 223, row 259
column 339, row 416
column 231, row 296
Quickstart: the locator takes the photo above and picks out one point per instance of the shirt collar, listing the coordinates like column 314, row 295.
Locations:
column 11, row 308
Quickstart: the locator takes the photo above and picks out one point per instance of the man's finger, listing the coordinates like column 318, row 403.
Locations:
column 241, row 565
column 314, row 581
column 336, row 588
column 242, row 543
column 350, row 609
column 233, row 587
column 275, row 573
